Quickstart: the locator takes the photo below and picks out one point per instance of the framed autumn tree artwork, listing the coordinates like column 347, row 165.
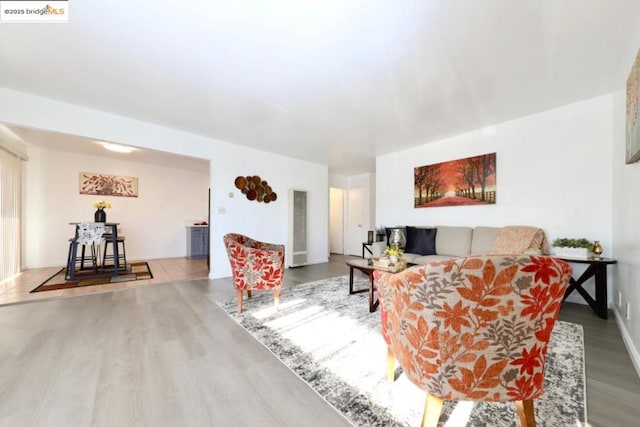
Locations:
column 633, row 113
column 108, row 185
column 470, row 181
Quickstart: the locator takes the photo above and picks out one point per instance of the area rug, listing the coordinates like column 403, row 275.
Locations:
column 331, row 341
column 135, row 271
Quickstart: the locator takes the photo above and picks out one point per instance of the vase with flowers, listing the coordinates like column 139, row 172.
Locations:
column 101, row 215
column 394, row 253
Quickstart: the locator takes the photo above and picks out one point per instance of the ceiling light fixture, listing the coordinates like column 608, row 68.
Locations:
column 117, row 148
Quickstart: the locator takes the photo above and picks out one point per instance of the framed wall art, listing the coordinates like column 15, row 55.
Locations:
column 469, row 181
column 108, row 185
column 633, row 113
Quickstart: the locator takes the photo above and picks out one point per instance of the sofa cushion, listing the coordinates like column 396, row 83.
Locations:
column 428, row 259
column 421, row 240
column 412, row 258
column 483, row 239
column 454, row 241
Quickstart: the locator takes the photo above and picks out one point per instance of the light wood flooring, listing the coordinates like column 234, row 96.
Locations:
column 164, row 270
column 167, row 355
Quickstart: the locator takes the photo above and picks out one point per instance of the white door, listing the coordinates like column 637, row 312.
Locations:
column 336, row 221
column 355, row 230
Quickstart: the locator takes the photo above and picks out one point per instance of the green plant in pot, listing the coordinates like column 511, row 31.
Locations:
column 578, row 248
column 572, row 243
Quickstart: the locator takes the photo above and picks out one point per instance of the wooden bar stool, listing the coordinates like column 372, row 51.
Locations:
column 122, row 253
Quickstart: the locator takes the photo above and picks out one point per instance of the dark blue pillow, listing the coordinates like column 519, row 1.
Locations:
column 421, row 241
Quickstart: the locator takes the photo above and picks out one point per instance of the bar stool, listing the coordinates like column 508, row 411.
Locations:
column 87, row 234
column 122, row 252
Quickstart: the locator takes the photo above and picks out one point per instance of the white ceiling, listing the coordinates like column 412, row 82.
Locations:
column 332, row 81
column 80, row 145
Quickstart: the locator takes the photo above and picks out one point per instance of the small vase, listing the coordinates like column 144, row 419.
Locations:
column 393, row 259
column 596, row 249
column 100, row 216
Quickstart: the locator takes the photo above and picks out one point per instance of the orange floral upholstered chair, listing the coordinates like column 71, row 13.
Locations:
column 474, row 328
column 254, row 265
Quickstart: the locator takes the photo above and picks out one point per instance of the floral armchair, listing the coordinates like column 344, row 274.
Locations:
column 474, row 328
column 254, row 265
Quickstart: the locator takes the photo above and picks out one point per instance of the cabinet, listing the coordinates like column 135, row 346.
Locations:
column 197, row 242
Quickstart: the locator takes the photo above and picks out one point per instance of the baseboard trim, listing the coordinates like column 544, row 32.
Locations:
column 628, row 342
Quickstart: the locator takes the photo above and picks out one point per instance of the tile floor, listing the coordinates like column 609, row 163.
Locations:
column 164, row 270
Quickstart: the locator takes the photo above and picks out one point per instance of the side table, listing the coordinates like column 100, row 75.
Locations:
column 363, row 265
column 368, row 269
column 598, row 269
column 367, row 246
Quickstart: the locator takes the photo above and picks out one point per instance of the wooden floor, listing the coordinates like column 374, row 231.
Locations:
column 167, row 355
column 164, row 270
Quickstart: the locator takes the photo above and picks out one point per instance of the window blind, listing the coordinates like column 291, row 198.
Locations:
column 10, row 213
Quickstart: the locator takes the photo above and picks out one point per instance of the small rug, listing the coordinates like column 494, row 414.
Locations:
column 135, row 271
column 331, row 341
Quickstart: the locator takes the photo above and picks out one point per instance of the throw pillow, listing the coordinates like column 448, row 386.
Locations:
column 421, row 241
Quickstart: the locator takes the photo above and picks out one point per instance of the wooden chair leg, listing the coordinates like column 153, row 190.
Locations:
column 526, row 413
column 276, row 298
column 248, row 293
column 239, row 295
column 432, row 409
column 391, row 365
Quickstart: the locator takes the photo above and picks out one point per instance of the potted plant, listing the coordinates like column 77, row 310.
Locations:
column 573, row 248
column 394, row 253
column 101, row 215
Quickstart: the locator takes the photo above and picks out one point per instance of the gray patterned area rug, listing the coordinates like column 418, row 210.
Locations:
column 330, row 340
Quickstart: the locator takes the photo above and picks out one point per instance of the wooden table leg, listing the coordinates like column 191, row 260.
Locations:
column 351, row 280
column 351, row 290
column 373, row 305
column 599, row 304
column 601, row 292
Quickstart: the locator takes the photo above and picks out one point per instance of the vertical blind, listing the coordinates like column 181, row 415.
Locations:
column 10, row 201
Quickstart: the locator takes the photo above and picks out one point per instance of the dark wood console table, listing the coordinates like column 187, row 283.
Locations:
column 597, row 268
column 366, row 245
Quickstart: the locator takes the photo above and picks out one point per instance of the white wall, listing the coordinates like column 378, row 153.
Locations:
column 153, row 222
column 554, row 171
column 626, row 232
column 266, row 222
column 626, row 222
column 227, row 161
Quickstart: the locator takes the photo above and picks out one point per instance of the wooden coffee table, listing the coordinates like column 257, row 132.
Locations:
column 368, row 269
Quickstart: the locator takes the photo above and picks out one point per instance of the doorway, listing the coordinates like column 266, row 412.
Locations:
column 336, row 220
column 348, row 220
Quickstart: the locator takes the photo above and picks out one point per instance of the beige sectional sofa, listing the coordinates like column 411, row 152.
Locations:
column 451, row 242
